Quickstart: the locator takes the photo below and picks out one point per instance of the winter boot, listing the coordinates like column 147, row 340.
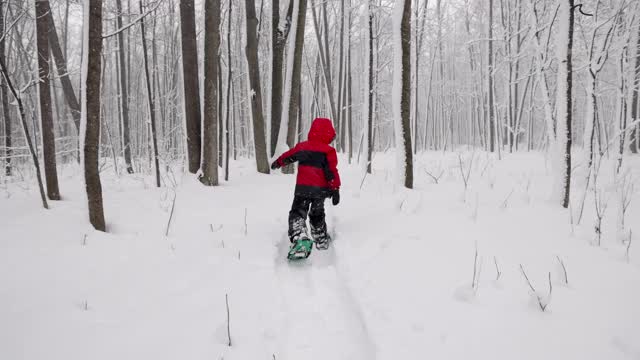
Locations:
column 320, row 236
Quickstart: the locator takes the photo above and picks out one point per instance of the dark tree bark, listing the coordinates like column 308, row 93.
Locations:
column 124, row 91
column 278, row 40
column 633, row 140
column 405, row 105
column 229, row 95
column 210, row 131
column 341, row 81
column 492, row 127
column 370, row 92
column 44, row 92
column 259, row 139
column 152, row 112
column 92, row 63
column 294, row 101
column 190, row 82
column 5, row 101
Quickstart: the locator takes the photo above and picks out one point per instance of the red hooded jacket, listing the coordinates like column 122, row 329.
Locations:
column 318, row 163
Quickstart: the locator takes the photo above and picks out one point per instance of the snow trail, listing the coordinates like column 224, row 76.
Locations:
column 323, row 321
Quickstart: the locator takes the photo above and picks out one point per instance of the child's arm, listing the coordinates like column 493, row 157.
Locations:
column 287, row 157
column 333, row 177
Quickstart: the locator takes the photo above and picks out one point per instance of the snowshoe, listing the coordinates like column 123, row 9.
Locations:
column 300, row 249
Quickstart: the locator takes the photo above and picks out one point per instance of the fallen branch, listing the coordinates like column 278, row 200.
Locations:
column 564, row 270
column 541, row 303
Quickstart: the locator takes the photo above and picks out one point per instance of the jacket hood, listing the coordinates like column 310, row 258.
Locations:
column 322, row 130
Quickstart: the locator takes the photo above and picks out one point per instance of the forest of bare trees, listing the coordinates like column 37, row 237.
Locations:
column 151, row 86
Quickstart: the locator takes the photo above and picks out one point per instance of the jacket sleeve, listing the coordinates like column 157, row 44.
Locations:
column 333, row 177
column 288, row 157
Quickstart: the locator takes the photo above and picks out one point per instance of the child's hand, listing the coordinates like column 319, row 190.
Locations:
column 275, row 165
column 335, row 197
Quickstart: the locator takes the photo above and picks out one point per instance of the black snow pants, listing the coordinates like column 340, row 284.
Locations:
column 302, row 206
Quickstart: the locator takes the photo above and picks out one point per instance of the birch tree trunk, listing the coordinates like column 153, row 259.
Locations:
column 634, row 137
column 492, row 126
column 253, row 63
column 402, row 91
column 44, row 97
column 90, row 120
column 190, row 81
column 562, row 155
column 209, row 175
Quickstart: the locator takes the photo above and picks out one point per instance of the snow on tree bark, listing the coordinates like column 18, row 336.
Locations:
column 561, row 148
column 284, row 123
column 402, row 91
column 5, row 101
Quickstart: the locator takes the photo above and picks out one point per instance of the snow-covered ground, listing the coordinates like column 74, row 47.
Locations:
column 397, row 284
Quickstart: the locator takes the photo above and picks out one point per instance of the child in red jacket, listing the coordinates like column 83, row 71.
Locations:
column 317, row 180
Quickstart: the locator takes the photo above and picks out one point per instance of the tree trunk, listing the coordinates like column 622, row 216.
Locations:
column 326, row 64
column 190, row 81
column 5, row 101
column 152, row 112
column 369, row 90
column 634, row 137
column 124, row 92
column 402, row 91
column 492, row 127
column 229, row 95
column 278, row 40
column 44, row 92
column 210, row 131
column 296, row 77
column 90, row 124
column 262, row 162
column 564, row 103
column 63, row 73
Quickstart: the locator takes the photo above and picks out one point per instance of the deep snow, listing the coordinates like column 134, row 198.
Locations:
column 395, row 285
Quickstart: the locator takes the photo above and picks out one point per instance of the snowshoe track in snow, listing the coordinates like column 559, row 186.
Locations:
column 322, row 321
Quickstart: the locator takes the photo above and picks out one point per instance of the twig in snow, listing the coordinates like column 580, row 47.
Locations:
column 506, row 200
column 564, row 270
column 435, row 178
column 629, row 244
column 362, row 182
column 216, row 229
column 543, row 305
column 226, row 299
column 465, row 176
column 245, row 222
column 498, row 273
column 84, row 240
column 474, row 280
column 173, row 204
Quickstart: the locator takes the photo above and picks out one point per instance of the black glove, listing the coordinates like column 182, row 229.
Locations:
column 275, row 165
column 335, row 197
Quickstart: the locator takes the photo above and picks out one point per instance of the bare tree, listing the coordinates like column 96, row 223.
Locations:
column 5, row 100
column 634, row 139
column 279, row 34
column 124, row 91
column 44, row 92
column 209, row 175
column 152, row 111
column 90, row 124
column 492, row 126
column 262, row 163
column 402, row 91
column 190, row 82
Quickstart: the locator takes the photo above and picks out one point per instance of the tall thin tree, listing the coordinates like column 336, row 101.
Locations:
column 253, row 63
column 5, row 101
column 44, row 92
column 124, row 91
column 402, row 91
column 90, row 121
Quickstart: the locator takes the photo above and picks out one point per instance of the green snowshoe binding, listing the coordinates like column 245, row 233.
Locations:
column 300, row 249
